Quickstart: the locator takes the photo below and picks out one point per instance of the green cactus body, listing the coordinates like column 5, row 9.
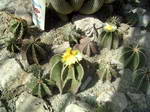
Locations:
column 13, row 46
column 18, row 27
column 40, row 85
column 66, row 77
column 11, row 28
column 34, row 51
column 110, row 40
column 132, row 19
column 133, row 57
column 91, row 6
column 77, row 4
column 107, row 72
column 61, row 6
column 141, row 79
column 108, row 1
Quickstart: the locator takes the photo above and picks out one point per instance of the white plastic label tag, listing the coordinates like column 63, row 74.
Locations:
column 39, row 7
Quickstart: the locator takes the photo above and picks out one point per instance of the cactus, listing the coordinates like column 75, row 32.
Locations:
column 141, row 79
column 40, row 85
column 67, row 75
column 133, row 57
column 72, row 35
column 76, row 4
column 132, row 18
column 115, row 20
column 34, row 51
column 13, row 46
column 107, row 71
column 110, row 37
column 87, row 46
column 18, row 27
column 61, row 6
column 91, row 6
column 11, row 28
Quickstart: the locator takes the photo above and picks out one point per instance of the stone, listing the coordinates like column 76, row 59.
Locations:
column 90, row 25
column 61, row 101
column 78, row 108
column 24, row 14
column 29, row 103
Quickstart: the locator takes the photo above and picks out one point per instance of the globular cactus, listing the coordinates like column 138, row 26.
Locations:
column 87, row 47
column 107, row 71
column 132, row 18
column 13, row 46
column 12, row 27
column 18, row 27
column 72, row 35
column 66, row 71
column 110, row 37
column 34, row 51
column 40, row 85
column 133, row 57
column 141, row 79
column 61, row 6
column 76, row 4
column 65, row 7
column 91, row 6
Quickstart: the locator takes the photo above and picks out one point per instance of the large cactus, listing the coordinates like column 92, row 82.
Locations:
column 83, row 6
column 61, row 6
column 91, row 6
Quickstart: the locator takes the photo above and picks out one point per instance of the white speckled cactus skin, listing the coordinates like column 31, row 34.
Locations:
column 83, row 6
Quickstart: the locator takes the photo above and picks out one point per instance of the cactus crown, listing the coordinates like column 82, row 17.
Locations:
column 133, row 57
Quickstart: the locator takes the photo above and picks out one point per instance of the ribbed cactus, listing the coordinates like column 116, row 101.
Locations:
column 77, row 4
column 87, row 47
column 67, row 77
column 133, row 57
column 34, row 51
column 83, row 6
column 141, row 79
column 110, row 37
column 11, row 27
column 13, row 46
column 106, row 71
column 40, row 84
column 91, row 6
column 61, row 6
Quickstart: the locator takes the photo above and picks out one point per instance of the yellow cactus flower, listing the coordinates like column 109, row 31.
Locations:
column 110, row 27
column 71, row 56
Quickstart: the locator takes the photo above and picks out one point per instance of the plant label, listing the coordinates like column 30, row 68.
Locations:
column 39, row 7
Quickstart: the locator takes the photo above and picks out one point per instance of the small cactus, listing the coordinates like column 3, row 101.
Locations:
column 91, row 6
column 115, row 20
column 110, row 37
column 87, row 46
column 12, row 28
column 18, row 27
column 132, row 19
column 40, row 84
column 14, row 46
column 34, row 51
column 107, row 71
column 66, row 71
column 141, row 79
column 133, row 57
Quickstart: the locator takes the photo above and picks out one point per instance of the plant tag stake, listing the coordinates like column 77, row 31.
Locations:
column 39, row 7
